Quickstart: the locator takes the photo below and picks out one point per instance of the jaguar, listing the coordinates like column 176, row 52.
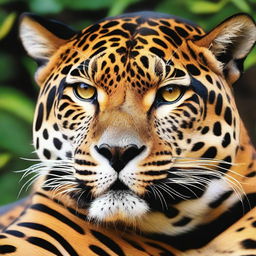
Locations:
column 141, row 149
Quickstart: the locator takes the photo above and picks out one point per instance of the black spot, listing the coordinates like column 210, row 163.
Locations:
column 193, row 70
column 228, row 115
column 249, row 244
column 112, row 245
column 56, row 127
column 66, row 69
column 40, row 115
column 217, row 202
column 15, row 233
column 211, row 152
column 47, row 153
column 157, row 51
column 171, row 212
column 99, row 44
column 117, row 32
column 101, row 49
column 45, row 134
column 144, row 61
column 226, row 140
column 251, row 174
column 57, row 143
column 182, row 222
column 110, row 24
column 212, row 96
column 208, row 78
column 49, row 101
column 4, row 249
column 112, row 57
column 225, row 166
column 129, row 27
column 171, row 34
column 40, row 242
column 160, row 42
column 197, row 146
column 182, row 32
column 217, row 129
column 147, row 31
column 99, row 251
column 218, row 106
column 205, row 130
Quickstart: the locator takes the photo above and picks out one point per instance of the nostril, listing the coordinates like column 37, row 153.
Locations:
column 131, row 152
column 105, row 150
column 119, row 157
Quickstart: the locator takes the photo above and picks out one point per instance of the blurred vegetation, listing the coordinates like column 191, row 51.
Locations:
column 18, row 90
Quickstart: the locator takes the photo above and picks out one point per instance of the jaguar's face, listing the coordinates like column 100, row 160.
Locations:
column 138, row 116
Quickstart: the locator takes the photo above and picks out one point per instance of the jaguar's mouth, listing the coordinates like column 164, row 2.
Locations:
column 117, row 205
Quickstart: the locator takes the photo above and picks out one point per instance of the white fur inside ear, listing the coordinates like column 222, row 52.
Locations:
column 239, row 35
column 37, row 40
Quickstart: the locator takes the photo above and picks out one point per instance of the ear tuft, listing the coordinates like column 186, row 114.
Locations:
column 230, row 42
column 42, row 37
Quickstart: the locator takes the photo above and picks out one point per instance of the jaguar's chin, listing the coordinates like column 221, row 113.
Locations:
column 117, row 206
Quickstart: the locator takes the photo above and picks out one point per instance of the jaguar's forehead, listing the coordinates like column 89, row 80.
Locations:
column 143, row 46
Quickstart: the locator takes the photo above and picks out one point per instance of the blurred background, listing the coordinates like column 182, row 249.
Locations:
column 18, row 90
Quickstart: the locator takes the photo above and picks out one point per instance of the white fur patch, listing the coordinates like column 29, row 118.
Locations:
column 117, row 205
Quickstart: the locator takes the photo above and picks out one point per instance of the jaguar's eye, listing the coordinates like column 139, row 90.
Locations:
column 84, row 91
column 170, row 93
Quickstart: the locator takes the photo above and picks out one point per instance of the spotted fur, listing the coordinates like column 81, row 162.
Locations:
column 127, row 172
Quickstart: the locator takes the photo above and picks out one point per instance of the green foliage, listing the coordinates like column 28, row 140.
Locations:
column 16, row 107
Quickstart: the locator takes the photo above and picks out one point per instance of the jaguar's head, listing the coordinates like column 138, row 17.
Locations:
column 136, row 114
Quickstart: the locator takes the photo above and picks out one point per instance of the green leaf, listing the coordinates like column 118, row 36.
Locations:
column 7, row 25
column 87, row 4
column 15, row 135
column 242, row 5
column 46, row 6
column 17, row 103
column 206, row 7
column 7, row 67
column 4, row 159
column 119, row 6
column 250, row 60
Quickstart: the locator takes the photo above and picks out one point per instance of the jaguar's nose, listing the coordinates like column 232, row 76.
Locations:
column 119, row 157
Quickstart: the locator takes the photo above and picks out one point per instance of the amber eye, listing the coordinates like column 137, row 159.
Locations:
column 171, row 93
column 84, row 91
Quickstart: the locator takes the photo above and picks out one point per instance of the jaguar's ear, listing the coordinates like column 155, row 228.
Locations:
column 42, row 37
column 230, row 42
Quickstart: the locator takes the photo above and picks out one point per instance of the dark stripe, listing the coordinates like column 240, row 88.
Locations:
column 49, row 101
column 218, row 106
column 14, row 233
column 69, row 112
column 108, row 242
column 182, row 222
column 51, row 233
column 40, row 115
column 96, row 249
column 44, row 244
column 166, row 252
column 134, row 244
column 154, row 173
column 57, row 215
column 249, row 244
column 2, row 236
column 7, row 249
column 217, row 202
